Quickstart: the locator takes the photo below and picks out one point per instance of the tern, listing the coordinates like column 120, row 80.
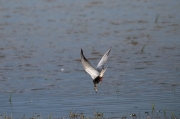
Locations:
column 96, row 74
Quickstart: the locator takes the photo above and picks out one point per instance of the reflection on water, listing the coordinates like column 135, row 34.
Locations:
column 40, row 69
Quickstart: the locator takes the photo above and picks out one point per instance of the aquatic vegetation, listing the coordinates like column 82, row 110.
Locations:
column 142, row 49
column 173, row 115
column 50, row 116
column 74, row 115
column 156, row 20
column 5, row 116
column 100, row 115
column 153, row 108
column 164, row 112
column 97, row 115
column 10, row 98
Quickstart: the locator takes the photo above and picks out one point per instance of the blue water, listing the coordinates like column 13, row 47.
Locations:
column 40, row 66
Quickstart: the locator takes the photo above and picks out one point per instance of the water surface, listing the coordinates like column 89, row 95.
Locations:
column 40, row 67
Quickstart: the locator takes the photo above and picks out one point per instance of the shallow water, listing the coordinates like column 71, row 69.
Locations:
column 40, row 44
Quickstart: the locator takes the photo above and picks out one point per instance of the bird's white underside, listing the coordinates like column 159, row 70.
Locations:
column 100, row 70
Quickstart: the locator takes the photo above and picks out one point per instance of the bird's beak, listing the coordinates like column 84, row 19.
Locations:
column 95, row 88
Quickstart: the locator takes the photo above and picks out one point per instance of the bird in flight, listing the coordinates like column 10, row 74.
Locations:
column 96, row 74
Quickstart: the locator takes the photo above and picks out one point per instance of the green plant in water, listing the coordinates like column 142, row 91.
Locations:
column 157, row 17
column 73, row 115
column 10, row 98
column 173, row 115
column 50, row 116
column 153, row 107
column 97, row 115
column 142, row 49
column 164, row 112
column 5, row 117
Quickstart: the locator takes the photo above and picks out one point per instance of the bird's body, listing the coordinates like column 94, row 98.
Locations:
column 96, row 74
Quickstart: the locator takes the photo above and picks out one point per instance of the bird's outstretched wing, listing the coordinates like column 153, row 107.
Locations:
column 103, row 61
column 88, row 67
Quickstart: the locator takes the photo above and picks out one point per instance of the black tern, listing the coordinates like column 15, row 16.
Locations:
column 96, row 74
